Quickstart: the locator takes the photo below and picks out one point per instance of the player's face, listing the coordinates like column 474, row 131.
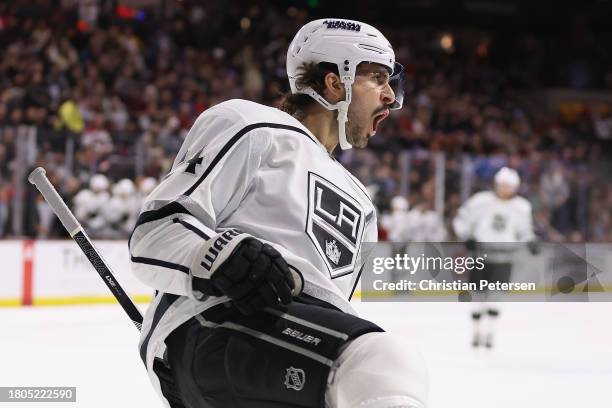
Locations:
column 370, row 102
column 504, row 191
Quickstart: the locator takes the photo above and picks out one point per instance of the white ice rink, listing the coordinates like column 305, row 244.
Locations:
column 547, row 355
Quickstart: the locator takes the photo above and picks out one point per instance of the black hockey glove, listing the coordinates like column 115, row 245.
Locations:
column 534, row 247
column 254, row 276
column 471, row 244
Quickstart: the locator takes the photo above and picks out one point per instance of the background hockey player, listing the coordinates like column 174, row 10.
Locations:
column 494, row 221
column 252, row 242
column 145, row 187
column 423, row 223
column 122, row 209
column 89, row 203
column 395, row 221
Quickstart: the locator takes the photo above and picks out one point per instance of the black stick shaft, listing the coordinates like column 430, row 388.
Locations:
column 74, row 228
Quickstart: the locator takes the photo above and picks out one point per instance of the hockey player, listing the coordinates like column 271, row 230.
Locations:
column 252, row 242
column 88, row 205
column 423, row 223
column 145, row 187
column 396, row 220
column 494, row 221
column 121, row 211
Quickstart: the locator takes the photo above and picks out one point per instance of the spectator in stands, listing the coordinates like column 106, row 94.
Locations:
column 4, row 209
column 555, row 193
column 130, row 87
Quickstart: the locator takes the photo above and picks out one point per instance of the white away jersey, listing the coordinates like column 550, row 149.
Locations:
column 259, row 170
column 487, row 218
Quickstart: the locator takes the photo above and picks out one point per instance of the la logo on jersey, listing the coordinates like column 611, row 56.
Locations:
column 335, row 224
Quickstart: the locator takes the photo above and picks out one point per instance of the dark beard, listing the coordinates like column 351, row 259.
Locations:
column 353, row 134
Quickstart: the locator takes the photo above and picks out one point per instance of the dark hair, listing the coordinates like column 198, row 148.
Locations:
column 310, row 75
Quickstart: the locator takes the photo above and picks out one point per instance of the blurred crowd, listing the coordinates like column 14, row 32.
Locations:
column 113, row 90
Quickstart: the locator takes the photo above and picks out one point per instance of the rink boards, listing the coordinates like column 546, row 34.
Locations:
column 55, row 272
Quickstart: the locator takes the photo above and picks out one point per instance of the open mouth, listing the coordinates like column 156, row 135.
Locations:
column 377, row 120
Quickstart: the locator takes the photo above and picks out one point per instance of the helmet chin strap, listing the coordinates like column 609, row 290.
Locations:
column 342, row 119
column 342, row 108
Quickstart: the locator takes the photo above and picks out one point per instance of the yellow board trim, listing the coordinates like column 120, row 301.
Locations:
column 14, row 302
column 73, row 300
column 85, row 300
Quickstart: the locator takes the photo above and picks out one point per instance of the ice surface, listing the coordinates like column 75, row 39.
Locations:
column 546, row 355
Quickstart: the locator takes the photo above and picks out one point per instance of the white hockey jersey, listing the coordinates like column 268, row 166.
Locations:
column 487, row 218
column 393, row 222
column 420, row 226
column 88, row 209
column 259, row 170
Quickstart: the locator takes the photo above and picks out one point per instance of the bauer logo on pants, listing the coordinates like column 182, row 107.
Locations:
column 295, row 379
column 335, row 224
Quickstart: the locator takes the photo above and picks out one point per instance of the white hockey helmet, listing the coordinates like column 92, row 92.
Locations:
column 147, row 185
column 98, row 183
column 399, row 203
column 124, row 188
column 509, row 177
column 345, row 43
column 82, row 198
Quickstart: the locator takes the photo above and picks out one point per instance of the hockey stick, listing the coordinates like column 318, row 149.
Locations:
column 39, row 179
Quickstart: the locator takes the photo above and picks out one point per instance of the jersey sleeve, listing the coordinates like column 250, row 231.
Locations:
column 213, row 171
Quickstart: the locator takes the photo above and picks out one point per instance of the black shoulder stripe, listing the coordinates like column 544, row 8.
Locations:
column 235, row 139
column 154, row 215
column 165, row 211
column 159, row 262
column 166, row 301
column 193, row 228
